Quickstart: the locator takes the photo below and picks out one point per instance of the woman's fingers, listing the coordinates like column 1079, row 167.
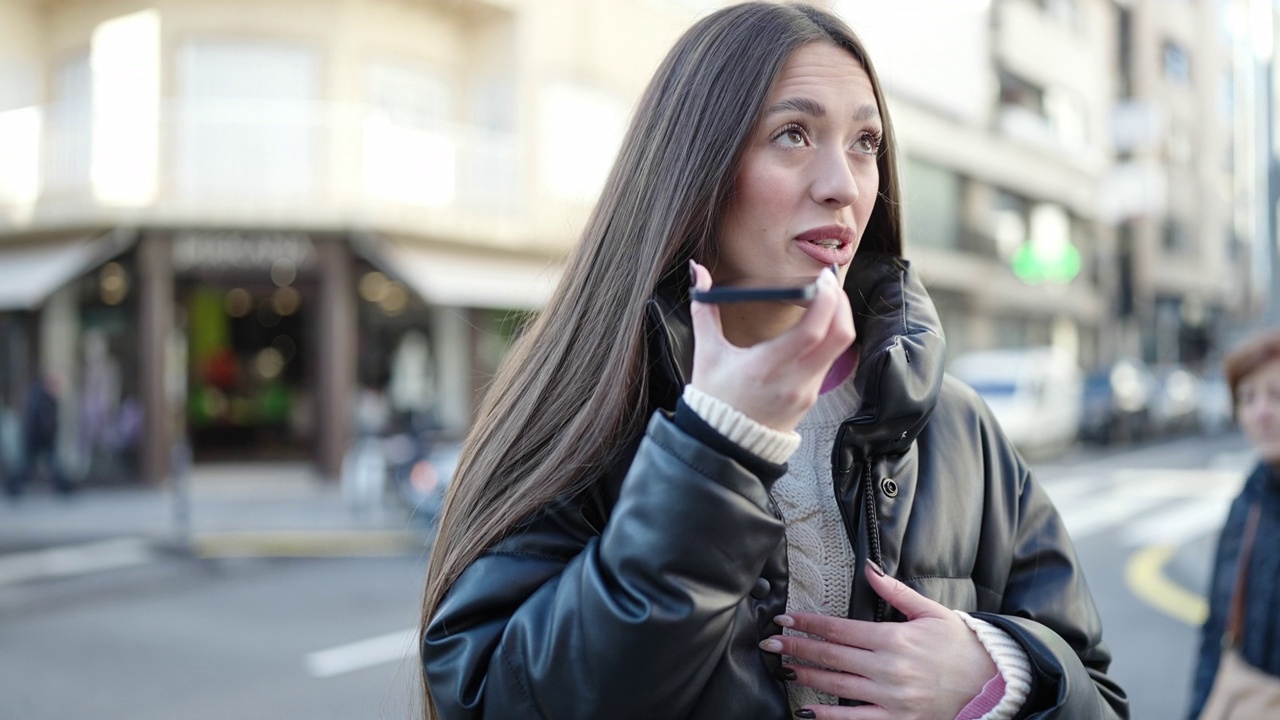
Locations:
column 706, row 316
column 904, row 599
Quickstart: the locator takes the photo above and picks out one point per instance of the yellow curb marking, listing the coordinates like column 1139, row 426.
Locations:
column 305, row 544
column 1145, row 577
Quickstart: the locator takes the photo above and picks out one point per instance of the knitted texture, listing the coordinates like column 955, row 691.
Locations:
column 771, row 445
column 820, row 560
column 1011, row 662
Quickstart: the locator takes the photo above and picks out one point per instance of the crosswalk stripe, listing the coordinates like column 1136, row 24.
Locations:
column 1183, row 521
column 363, row 654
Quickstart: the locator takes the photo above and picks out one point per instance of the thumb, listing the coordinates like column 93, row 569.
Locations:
column 904, row 599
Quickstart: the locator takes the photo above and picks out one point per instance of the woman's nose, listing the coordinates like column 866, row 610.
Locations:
column 835, row 183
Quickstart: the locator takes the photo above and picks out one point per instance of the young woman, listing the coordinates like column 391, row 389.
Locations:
column 1253, row 372
column 669, row 509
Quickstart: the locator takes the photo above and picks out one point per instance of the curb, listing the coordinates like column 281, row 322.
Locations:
column 306, row 544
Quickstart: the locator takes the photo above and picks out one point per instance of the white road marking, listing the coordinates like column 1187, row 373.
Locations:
column 1185, row 520
column 1094, row 504
column 74, row 560
column 391, row 647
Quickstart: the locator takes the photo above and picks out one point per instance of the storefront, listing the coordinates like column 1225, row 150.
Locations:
column 66, row 315
column 251, row 345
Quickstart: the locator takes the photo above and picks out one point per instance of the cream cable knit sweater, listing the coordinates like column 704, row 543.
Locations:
column 820, row 559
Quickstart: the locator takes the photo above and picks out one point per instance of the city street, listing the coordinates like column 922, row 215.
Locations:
column 177, row 637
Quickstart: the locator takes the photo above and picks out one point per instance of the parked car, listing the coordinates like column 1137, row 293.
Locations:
column 1117, row 402
column 1174, row 407
column 1033, row 392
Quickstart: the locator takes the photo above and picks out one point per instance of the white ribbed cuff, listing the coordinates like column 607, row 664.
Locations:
column 1010, row 659
column 775, row 446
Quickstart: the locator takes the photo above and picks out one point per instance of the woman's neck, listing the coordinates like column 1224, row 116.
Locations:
column 747, row 324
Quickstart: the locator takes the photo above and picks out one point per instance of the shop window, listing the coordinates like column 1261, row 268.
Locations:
column 250, row 381
column 398, row 361
column 106, row 388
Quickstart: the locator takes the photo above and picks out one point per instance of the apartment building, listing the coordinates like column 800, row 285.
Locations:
column 1069, row 177
column 1183, row 131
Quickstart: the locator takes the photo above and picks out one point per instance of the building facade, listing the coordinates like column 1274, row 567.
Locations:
column 236, row 222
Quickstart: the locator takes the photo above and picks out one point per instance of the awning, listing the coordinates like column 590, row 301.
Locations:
column 30, row 273
column 460, row 279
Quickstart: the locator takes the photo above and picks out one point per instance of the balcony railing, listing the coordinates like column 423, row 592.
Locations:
column 218, row 161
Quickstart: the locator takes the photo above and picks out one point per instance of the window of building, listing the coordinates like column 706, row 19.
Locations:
column 1177, row 63
column 932, row 195
column 1177, row 235
column 69, row 134
column 1017, row 92
column 1010, row 222
column 1064, row 12
column 1124, row 53
column 1066, row 115
column 248, row 122
column 580, row 130
column 410, row 146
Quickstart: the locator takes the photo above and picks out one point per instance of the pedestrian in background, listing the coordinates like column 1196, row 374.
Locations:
column 39, row 439
column 672, row 509
column 1238, row 674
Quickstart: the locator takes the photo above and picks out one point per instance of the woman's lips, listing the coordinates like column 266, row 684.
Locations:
column 828, row 244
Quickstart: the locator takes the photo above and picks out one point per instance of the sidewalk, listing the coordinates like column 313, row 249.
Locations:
column 232, row 510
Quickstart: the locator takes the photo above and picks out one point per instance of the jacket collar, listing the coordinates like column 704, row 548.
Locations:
column 900, row 344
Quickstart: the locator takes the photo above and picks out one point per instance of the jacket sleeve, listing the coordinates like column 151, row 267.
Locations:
column 1048, row 609
column 560, row 622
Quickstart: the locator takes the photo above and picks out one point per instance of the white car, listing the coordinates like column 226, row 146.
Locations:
column 1034, row 392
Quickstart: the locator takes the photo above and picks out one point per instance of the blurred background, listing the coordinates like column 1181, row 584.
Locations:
column 266, row 255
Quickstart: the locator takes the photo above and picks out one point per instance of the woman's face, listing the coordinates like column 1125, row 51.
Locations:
column 1258, row 409
column 808, row 179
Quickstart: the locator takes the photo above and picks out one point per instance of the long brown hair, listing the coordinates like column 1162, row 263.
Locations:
column 573, row 390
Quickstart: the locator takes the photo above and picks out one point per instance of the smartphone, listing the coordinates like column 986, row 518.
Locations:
column 792, row 290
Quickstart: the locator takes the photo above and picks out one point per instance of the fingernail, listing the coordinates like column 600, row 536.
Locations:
column 784, row 620
column 785, row 673
column 771, row 645
column 806, row 713
column 693, row 273
column 876, row 568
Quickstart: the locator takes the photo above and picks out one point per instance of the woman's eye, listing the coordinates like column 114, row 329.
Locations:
column 792, row 135
column 868, row 144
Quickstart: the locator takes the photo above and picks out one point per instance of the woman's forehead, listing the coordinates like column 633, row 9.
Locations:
column 821, row 68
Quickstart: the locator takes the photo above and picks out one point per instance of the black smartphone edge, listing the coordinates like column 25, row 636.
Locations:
column 755, row 294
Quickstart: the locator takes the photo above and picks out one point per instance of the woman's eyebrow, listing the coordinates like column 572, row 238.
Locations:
column 809, row 106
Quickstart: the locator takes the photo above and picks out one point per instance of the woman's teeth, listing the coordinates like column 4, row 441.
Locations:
column 828, row 244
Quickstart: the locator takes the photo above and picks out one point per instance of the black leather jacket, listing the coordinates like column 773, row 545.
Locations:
column 646, row 598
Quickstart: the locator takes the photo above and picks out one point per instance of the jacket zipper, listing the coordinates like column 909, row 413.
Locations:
column 873, row 525
column 873, row 530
